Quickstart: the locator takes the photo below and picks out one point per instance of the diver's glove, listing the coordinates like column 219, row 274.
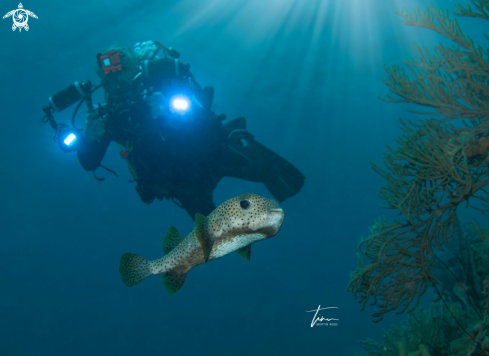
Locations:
column 155, row 103
column 94, row 127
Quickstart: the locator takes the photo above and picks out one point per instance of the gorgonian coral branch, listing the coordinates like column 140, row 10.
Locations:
column 436, row 166
column 453, row 81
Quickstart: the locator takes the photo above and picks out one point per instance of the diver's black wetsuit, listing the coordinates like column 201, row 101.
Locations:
column 185, row 157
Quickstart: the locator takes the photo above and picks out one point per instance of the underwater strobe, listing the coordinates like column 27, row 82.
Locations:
column 68, row 138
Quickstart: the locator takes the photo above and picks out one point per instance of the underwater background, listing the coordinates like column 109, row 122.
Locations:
column 305, row 74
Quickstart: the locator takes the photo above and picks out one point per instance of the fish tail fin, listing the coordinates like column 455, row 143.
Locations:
column 134, row 269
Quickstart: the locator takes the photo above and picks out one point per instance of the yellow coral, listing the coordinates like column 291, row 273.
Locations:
column 401, row 349
column 424, row 350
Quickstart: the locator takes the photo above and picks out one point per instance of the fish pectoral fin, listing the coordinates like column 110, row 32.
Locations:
column 173, row 280
column 172, row 239
column 203, row 235
column 245, row 252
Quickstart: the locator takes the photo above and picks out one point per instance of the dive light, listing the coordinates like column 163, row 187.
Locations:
column 180, row 104
column 68, row 137
column 70, row 95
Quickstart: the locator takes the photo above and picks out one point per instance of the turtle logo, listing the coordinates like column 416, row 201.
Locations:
column 20, row 17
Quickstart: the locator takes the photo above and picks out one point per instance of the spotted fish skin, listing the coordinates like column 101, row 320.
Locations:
column 234, row 225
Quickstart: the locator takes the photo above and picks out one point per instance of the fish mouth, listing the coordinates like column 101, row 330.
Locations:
column 275, row 219
column 276, row 210
column 277, row 216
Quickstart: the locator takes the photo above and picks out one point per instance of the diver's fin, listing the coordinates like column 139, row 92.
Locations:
column 133, row 269
column 173, row 281
column 245, row 252
column 203, row 236
column 286, row 182
column 172, row 239
column 236, row 124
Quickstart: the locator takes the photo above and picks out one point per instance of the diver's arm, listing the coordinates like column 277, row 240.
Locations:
column 90, row 154
column 95, row 143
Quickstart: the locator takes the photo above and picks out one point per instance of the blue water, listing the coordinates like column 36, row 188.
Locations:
column 305, row 74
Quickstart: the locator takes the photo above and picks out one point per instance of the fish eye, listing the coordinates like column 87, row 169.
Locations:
column 244, row 204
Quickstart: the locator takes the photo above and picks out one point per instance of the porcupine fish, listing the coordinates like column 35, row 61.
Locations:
column 232, row 226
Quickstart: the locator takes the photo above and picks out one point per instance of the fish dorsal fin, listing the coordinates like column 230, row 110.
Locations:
column 173, row 280
column 172, row 239
column 202, row 234
column 245, row 252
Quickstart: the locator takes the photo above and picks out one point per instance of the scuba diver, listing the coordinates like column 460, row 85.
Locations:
column 175, row 146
